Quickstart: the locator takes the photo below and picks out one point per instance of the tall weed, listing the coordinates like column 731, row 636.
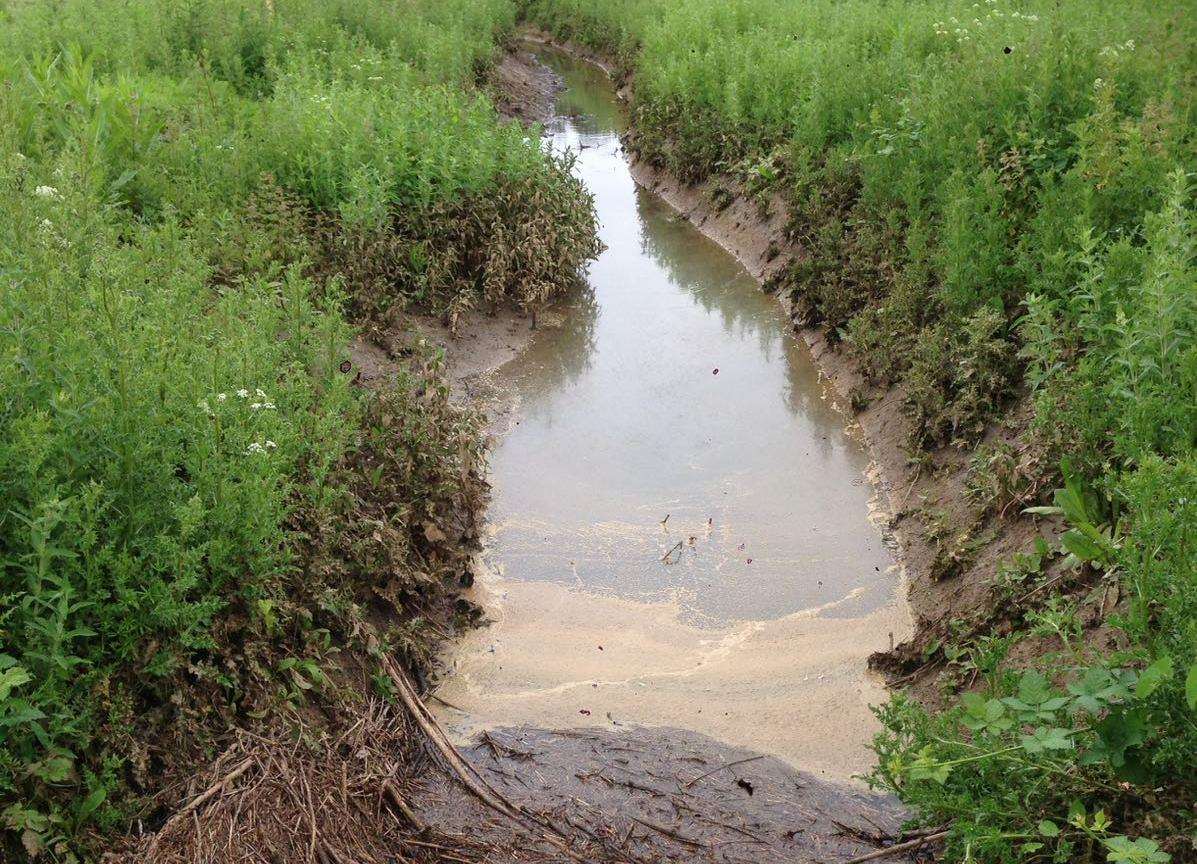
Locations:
column 185, row 469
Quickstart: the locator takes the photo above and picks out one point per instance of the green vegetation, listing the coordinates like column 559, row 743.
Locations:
column 201, row 201
column 994, row 202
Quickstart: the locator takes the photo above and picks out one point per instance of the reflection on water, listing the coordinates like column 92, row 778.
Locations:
column 673, row 407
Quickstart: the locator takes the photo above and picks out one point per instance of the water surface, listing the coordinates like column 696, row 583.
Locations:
column 677, row 391
column 681, row 528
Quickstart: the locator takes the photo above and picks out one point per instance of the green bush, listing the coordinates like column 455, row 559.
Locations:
column 153, row 432
column 183, row 464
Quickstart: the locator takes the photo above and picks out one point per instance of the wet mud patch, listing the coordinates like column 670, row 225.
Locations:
column 664, row 795
column 524, row 88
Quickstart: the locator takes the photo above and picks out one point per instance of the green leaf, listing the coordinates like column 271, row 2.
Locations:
column 927, row 767
column 1081, row 546
column 1047, row 738
column 18, row 711
column 1077, row 813
column 1072, row 504
column 12, row 678
column 1142, row 850
column 91, row 802
column 1191, row 688
column 1033, row 688
column 1117, row 733
column 1098, row 689
column 1153, row 676
column 55, row 769
column 1044, row 511
column 1048, row 828
column 981, row 713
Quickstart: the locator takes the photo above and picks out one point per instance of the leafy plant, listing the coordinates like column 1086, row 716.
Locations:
column 184, row 188
column 1091, row 539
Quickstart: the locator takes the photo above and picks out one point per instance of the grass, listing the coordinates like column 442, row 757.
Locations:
column 995, row 204
column 202, row 202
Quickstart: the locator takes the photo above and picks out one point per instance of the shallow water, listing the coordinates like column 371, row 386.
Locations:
column 678, row 489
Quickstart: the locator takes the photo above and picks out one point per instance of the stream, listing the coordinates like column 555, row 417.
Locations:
column 683, row 532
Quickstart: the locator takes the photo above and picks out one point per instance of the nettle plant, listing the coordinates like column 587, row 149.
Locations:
column 992, row 755
column 1029, row 744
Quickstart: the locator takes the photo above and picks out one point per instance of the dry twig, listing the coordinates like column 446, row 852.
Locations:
column 897, row 847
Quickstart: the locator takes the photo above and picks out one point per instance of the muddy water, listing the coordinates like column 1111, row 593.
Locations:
column 682, row 529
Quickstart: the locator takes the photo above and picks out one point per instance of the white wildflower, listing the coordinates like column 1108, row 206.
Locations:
column 270, row 445
column 46, row 192
column 203, row 406
column 254, row 448
column 258, row 392
column 243, row 393
column 220, row 397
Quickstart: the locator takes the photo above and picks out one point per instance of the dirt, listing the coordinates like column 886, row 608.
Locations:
column 665, row 795
column 524, row 89
column 481, row 344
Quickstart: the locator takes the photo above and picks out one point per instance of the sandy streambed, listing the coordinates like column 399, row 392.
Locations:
column 558, row 657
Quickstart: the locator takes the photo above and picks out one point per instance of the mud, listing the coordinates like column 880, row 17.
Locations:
column 664, row 795
column 524, row 89
column 794, row 687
